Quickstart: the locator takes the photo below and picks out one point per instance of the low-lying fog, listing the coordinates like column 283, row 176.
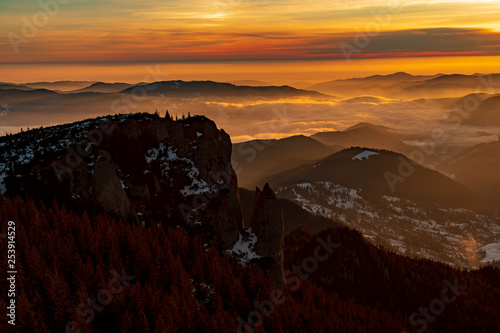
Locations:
column 276, row 115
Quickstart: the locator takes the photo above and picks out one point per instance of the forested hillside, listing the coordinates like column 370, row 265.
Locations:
column 84, row 273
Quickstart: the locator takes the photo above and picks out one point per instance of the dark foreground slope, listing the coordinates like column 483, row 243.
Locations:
column 103, row 275
column 82, row 266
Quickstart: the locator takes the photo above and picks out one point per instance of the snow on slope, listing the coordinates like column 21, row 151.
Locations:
column 21, row 149
column 164, row 155
column 492, row 252
column 448, row 235
column 366, row 154
column 244, row 249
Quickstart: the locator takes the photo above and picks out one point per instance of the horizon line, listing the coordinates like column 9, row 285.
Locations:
column 238, row 60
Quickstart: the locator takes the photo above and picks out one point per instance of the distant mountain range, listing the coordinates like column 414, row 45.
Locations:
column 103, row 87
column 255, row 83
column 477, row 168
column 397, row 85
column 365, row 135
column 194, row 89
column 33, row 107
column 372, row 174
column 61, row 86
column 14, row 86
column 487, row 113
column 375, row 85
column 66, row 101
column 177, row 89
column 13, row 96
column 404, row 85
column 391, row 199
column 259, row 159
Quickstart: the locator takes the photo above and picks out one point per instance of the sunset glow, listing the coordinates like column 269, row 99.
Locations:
column 195, row 30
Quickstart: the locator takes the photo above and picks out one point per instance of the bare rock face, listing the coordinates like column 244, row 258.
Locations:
column 141, row 168
column 267, row 224
column 147, row 169
column 106, row 186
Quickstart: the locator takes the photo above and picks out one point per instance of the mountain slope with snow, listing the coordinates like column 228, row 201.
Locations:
column 427, row 214
column 450, row 235
column 382, row 173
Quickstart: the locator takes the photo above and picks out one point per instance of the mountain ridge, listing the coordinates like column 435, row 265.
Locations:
column 144, row 168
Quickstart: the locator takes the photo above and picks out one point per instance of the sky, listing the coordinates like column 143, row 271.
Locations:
column 174, row 30
column 78, row 31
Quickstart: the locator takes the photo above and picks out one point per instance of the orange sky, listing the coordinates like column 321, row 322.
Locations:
column 200, row 30
column 275, row 72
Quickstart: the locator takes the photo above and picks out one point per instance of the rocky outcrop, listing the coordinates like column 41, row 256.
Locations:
column 142, row 168
column 267, row 224
column 106, row 186
column 147, row 169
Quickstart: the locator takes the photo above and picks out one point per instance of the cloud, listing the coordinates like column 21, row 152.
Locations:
column 409, row 43
column 197, row 44
column 176, row 30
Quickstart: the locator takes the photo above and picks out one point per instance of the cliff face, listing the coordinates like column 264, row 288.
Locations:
column 147, row 169
column 267, row 224
column 141, row 168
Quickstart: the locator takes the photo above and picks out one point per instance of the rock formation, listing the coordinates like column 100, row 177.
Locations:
column 267, row 224
column 147, row 169
column 142, row 168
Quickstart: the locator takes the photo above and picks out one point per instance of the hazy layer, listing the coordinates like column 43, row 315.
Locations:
column 296, row 73
column 277, row 114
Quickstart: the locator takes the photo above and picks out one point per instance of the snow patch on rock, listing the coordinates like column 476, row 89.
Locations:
column 244, row 249
column 3, row 175
column 492, row 252
column 165, row 155
column 366, row 154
